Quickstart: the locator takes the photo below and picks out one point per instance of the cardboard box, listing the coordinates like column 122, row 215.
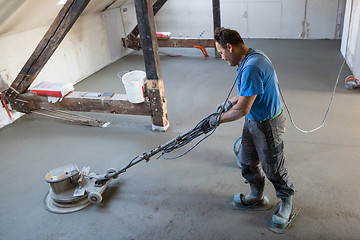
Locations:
column 52, row 89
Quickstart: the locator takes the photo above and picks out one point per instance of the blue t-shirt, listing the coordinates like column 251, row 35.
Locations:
column 256, row 76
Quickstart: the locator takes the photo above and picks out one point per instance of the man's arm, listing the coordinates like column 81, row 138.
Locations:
column 240, row 109
column 234, row 100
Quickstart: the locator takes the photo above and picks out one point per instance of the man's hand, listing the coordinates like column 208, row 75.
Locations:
column 225, row 106
column 214, row 120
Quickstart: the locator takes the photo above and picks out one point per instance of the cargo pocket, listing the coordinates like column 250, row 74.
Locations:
column 278, row 126
column 268, row 132
column 273, row 151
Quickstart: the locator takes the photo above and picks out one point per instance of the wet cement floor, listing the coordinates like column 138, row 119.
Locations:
column 190, row 197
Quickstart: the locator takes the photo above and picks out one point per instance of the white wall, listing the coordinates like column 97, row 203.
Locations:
column 83, row 51
column 255, row 18
column 88, row 47
column 350, row 46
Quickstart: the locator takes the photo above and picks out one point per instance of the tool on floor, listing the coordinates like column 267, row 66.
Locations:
column 72, row 190
column 351, row 82
column 71, row 117
column 203, row 50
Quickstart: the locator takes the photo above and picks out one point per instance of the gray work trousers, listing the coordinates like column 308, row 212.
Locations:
column 263, row 148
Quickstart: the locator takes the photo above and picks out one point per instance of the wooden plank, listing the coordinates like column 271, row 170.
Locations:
column 76, row 101
column 216, row 19
column 48, row 44
column 145, row 19
column 181, row 42
column 135, row 32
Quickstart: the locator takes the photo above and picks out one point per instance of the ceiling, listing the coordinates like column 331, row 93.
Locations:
column 22, row 15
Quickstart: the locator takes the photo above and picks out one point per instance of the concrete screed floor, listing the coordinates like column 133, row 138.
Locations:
column 190, row 197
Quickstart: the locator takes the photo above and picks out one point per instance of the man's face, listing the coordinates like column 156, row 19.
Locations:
column 226, row 54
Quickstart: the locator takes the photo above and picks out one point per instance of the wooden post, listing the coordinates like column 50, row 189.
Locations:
column 156, row 93
column 47, row 46
column 216, row 18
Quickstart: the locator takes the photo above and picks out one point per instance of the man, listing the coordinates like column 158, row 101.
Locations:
column 262, row 145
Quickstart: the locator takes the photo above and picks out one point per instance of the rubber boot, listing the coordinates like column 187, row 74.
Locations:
column 281, row 218
column 255, row 196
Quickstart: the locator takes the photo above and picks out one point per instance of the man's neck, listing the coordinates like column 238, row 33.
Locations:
column 244, row 51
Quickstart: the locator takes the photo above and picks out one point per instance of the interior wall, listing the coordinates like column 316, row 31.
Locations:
column 350, row 44
column 290, row 19
column 18, row 15
column 93, row 43
column 83, row 51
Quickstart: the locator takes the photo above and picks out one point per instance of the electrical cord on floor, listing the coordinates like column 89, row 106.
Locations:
column 332, row 96
column 327, row 111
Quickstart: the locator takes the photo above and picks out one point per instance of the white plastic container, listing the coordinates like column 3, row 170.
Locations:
column 134, row 85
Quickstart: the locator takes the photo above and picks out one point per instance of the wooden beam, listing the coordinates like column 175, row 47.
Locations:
column 47, row 46
column 76, row 101
column 186, row 43
column 178, row 43
column 135, row 32
column 145, row 19
column 216, row 19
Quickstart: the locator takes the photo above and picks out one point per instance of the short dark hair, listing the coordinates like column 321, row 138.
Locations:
column 223, row 36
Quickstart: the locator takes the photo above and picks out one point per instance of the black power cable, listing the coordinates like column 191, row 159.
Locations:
column 202, row 127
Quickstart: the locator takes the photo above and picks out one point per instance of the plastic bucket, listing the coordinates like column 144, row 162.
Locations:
column 134, row 85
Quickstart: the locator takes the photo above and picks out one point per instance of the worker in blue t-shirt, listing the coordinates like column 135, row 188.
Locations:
column 262, row 138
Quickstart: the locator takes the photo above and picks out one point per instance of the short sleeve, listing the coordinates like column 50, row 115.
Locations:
column 251, row 81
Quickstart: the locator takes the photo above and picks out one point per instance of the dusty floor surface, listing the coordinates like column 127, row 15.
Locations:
column 190, row 197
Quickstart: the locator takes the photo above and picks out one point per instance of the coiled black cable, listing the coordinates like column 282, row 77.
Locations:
column 203, row 127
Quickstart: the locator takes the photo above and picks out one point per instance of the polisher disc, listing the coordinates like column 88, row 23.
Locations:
column 56, row 207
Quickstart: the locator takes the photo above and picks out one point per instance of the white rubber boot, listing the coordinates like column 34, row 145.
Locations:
column 281, row 217
column 254, row 200
column 255, row 195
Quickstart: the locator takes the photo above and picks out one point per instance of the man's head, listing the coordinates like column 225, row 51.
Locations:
column 229, row 44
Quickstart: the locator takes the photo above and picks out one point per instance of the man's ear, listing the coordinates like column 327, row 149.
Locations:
column 229, row 46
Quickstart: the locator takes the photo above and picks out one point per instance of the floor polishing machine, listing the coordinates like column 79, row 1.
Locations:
column 72, row 189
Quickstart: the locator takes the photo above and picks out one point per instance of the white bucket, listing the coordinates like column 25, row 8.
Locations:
column 134, row 85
